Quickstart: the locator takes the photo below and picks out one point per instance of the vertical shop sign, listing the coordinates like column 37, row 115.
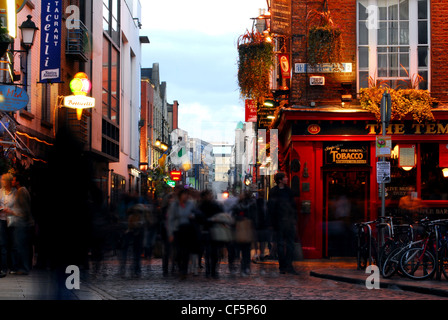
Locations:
column 251, row 110
column 50, row 44
column 283, row 59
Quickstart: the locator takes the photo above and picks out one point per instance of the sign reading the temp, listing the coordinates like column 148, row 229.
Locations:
column 50, row 43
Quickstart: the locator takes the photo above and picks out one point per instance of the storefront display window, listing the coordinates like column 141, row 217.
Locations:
column 434, row 184
column 403, row 177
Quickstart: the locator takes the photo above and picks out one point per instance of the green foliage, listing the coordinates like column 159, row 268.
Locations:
column 324, row 45
column 324, row 38
column 255, row 60
column 4, row 35
column 414, row 102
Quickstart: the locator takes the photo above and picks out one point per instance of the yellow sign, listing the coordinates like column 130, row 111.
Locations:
column 80, row 86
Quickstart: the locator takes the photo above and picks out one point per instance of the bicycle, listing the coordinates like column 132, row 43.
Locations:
column 402, row 238
column 419, row 262
column 364, row 254
column 441, row 231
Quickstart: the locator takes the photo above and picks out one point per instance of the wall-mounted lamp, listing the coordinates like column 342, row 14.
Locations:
column 28, row 30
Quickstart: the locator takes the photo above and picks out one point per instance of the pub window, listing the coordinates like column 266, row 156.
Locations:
column 393, row 41
column 434, row 184
column 403, row 178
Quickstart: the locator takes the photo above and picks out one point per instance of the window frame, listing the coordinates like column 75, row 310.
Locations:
column 372, row 46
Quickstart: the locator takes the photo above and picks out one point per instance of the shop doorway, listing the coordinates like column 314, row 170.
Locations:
column 346, row 194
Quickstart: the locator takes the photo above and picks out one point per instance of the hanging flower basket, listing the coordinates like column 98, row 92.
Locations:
column 411, row 101
column 255, row 60
column 324, row 38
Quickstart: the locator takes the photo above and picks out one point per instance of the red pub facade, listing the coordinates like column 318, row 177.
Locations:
column 328, row 142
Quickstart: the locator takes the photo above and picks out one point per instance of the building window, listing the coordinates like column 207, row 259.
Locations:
column 393, row 41
column 118, row 188
column 401, row 179
column 111, row 22
column 46, row 102
column 111, row 80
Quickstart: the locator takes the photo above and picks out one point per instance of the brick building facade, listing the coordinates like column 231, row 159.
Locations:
column 328, row 142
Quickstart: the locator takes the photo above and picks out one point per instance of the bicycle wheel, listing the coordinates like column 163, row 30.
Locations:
column 443, row 259
column 388, row 247
column 391, row 263
column 418, row 263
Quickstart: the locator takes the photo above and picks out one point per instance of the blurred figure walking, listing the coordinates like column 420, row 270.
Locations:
column 7, row 197
column 22, row 226
column 283, row 213
column 133, row 238
column 180, row 229
column 209, row 208
column 245, row 214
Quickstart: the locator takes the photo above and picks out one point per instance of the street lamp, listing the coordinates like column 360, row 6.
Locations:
column 28, row 30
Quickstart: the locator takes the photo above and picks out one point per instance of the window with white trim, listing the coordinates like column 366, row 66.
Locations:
column 393, row 42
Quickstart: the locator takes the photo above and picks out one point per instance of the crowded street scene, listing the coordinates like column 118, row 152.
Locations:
column 225, row 159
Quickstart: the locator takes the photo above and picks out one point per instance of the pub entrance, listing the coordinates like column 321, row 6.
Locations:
column 346, row 199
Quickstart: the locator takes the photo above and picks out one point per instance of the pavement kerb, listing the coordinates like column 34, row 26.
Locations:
column 431, row 287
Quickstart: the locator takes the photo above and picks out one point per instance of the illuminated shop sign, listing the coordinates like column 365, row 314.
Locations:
column 346, row 153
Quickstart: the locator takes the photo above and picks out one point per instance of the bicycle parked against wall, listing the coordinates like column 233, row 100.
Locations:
column 419, row 262
column 373, row 241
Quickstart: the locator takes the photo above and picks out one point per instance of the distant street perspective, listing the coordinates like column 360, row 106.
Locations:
column 210, row 151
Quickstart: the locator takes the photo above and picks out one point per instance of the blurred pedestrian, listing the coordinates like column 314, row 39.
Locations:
column 181, row 230
column 167, row 245
column 263, row 233
column 22, row 227
column 245, row 214
column 152, row 227
column 133, row 238
column 231, row 247
column 410, row 204
column 7, row 196
column 283, row 214
column 209, row 207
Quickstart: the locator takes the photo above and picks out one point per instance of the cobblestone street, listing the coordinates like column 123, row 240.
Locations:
column 264, row 283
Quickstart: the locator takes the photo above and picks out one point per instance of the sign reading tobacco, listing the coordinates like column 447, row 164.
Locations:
column 346, row 153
